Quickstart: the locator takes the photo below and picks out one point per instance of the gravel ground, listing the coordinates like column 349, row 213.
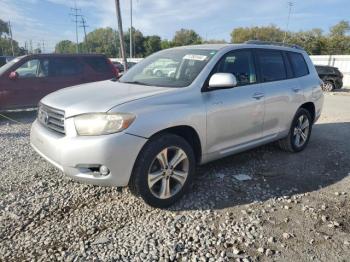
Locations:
column 295, row 207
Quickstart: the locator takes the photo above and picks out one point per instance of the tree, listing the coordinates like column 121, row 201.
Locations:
column 165, row 44
column 215, row 41
column 4, row 27
column 6, row 49
column 312, row 41
column 65, row 47
column 104, row 40
column 152, row 44
column 138, row 43
column 340, row 29
column 186, row 37
column 263, row 33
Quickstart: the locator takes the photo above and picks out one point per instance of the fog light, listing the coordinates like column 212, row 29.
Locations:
column 104, row 170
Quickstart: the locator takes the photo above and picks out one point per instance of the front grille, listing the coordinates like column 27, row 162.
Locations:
column 51, row 118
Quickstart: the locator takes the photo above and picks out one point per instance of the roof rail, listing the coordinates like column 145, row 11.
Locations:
column 258, row 42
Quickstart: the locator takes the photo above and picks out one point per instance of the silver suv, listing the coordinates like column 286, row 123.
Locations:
column 149, row 131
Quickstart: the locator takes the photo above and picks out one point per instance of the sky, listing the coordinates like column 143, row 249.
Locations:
column 50, row 20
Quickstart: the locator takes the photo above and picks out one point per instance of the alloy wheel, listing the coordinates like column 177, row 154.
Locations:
column 301, row 131
column 168, row 172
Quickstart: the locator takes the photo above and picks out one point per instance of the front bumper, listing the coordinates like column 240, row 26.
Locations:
column 74, row 155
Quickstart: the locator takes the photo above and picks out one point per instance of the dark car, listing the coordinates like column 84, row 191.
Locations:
column 331, row 77
column 5, row 59
column 27, row 79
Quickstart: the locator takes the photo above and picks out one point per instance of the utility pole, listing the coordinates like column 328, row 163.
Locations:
column 290, row 5
column 43, row 46
column 121, row 35
column 84, row 25
column 75, row 14
column 131, row 34
column 11, row 39
column 31, row 46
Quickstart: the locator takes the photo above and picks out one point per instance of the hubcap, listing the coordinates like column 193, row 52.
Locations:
column 301, row 131
column 168, row 172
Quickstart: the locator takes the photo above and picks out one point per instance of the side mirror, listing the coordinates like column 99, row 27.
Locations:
column 222, row 80
column 13, row 75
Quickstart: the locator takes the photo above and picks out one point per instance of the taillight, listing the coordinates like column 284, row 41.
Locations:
column 115, row 69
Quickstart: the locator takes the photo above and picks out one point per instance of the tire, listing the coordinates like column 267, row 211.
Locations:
column 290, row 143
column 328, row 86
column 146, row 181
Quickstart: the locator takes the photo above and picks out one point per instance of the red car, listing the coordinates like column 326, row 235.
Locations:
column 27, row 79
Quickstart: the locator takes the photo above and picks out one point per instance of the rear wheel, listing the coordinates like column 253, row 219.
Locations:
column 328, row 86
column 299, row 133
column 163, row 170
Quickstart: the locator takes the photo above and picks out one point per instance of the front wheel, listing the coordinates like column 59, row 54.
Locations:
column 163, row 170
column 299, row 133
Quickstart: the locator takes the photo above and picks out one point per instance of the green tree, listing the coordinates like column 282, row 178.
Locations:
column 313, row 41
column 263, row 33
column 104, row 41
column 340, row 29
column 186, row 37
column 152, row 44
column 4, row 27
column 165, row 44
column 138, row 43
column 65, row 47
column 6, row 48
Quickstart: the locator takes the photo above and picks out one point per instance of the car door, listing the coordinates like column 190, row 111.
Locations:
column 283, row 93
column 235, row 115
column 27, row 88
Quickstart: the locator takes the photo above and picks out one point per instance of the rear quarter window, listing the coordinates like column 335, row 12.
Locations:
column 298, row 63
column 98, row 64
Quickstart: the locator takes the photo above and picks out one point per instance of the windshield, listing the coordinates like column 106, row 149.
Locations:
column 169, row 68
column 5, row 67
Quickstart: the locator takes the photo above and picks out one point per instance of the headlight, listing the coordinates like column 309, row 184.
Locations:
column 102, row 123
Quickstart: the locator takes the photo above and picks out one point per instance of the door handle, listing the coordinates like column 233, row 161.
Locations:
column 296, row 89
column 258, row 96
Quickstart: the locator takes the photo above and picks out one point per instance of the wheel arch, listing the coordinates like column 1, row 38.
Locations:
column 310, row 107
column 189, row 134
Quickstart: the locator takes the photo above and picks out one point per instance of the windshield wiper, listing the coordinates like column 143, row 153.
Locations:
column 135, row 82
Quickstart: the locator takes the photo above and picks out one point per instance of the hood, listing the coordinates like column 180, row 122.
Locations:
column 98, row 96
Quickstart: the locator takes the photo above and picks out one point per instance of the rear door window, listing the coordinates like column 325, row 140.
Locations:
column 98, row 64
column 298, row 63
column 272, row 65
column 66, row 66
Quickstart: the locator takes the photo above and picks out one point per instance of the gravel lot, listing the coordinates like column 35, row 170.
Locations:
column 295, row 207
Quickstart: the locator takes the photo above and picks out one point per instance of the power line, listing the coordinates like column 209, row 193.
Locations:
column 290, row 5
column 75, row 14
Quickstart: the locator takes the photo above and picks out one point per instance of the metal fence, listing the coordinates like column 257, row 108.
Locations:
column 340, row 61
